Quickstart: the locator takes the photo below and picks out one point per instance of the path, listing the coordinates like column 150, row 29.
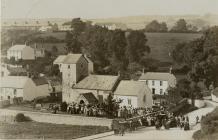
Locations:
column 150, row 133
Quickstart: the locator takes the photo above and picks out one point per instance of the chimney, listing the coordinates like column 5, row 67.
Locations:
column 171, row 69
column 12, row 44
column 35, row 46
column 118, row 73
column 143, row 71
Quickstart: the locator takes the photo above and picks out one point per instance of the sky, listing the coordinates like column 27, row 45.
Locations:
column 104, row 8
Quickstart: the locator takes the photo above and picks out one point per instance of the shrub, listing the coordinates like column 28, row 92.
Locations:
column 64, row 106
column 21, row 118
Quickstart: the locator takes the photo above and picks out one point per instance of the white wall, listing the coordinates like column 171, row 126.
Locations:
column 42, row 90
column 17, row 54
column 5, row 92
column 157, row 86
column 125, row 99
column 214, row 98
column 28, row 53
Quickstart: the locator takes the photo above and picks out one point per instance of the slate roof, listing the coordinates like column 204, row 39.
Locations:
column 98, row 82
column 90, row 97
column 72, row 58
column 131, row 88
column 40, row 81
column 159, row 76
column 13, row 81
column 59, row 59
column 17, row 47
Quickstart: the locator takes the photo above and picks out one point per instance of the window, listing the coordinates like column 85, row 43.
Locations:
column 152, row 83
column 161, row 83
column 153, row 90
column 161, row 91
column 9, row 97
column 129, row 101
column 68, row 66
column 144, row 98
column 81, row 65
column 15, row 92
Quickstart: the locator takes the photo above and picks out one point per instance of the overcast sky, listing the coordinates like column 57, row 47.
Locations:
column 104, row 8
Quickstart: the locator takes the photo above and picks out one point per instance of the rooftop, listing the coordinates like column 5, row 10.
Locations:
column 40, row 81
column 59, row 59
column 159, row 76
column 13, row 81
column 17, row 47
column 98, row 82
column 131, row 88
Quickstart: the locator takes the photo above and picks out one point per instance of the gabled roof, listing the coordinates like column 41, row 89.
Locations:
column 13, row 81
column 159, row 76
column 17, row 47
column 59, row 59
column 40, row 81
column 98, row 82
column 72, row 58
column 89, row 97
column 131, row 88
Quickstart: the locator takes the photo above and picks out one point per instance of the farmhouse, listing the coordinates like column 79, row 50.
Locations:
column 133, row 93
column 20, row 87
column 158, row 82
column 21, row 52
column 99, row 85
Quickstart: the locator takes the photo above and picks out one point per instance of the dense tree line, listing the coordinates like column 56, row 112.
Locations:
column 181, row 26
column 115, row 49
column 201, row 56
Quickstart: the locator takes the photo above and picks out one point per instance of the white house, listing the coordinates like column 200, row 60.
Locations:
column 158, row 82
column 39, row 51
column 19, row 86
column 99, row 85
column 21, row 52
column 65, row 28
column 133, row 93
column 214, row 95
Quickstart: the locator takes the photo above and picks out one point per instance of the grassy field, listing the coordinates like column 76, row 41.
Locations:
column 36, row 130
column 163, row 43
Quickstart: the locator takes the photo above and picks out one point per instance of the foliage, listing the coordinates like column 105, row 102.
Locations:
column 173, row 96
column 64, row 106
column 209, row 127
column 201, row 55
column 21, row 118
column 54, row 71
column 181, row 26
column 155, row 26
column 111, row 106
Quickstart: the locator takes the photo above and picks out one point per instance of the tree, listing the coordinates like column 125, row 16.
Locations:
column 136, row 46
column 54, row 50
column 55, row 27
column 180, row 26
column 54, row 71
column 111, row 106
column 155, row 26
column 78, row 25
column 173, row 96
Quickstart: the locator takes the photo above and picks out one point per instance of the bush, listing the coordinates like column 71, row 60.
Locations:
column 64, row 106
column 21, row 118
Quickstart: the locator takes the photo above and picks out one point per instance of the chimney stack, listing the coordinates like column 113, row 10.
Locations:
column 12, row 44
column 119, row 73
column 143, row 71
column 171, row 69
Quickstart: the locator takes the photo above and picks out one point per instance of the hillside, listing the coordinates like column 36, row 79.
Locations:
column 162, row 43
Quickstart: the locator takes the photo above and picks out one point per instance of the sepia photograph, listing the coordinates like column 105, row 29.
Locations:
column 109, row 69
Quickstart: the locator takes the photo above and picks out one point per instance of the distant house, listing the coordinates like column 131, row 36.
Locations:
column 158, row 82
column 133, row 93
column 39, row 51
column 214, row 95
column 65, row 28
column 45, row 29
column 21, row 52
column 20, row 87
column 99, row 85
